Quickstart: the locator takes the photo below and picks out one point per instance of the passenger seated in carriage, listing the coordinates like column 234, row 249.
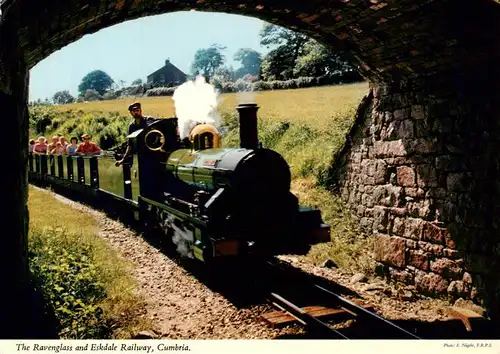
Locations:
column 71, row 148
column 58, row 150
column 31, row 145
column 52, row 145
column 88, row 147
column 63, row 142
column 40, row 148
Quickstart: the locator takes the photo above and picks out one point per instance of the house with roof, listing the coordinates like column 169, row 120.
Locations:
column 168, row 75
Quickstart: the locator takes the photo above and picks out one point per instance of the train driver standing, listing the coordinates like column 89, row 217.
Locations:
column 140, row 122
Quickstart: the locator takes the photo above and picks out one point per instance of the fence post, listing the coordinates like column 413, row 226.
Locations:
column 52, row 165
column 69, row 166
column 127, row 182
column 60, row 166
column 30, row 161
column 43, row 165
column 94, row 172
column 81, row 170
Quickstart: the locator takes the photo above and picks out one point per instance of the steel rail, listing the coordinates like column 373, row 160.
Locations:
column 306, row 318
column 362, row 312
column 353, row 308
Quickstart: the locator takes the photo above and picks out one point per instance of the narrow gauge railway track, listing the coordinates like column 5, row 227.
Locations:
column 306, row 291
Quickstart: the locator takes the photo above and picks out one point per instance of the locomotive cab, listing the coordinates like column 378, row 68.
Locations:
column 153, row 145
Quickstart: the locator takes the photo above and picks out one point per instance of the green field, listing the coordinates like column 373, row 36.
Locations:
column 306, row 126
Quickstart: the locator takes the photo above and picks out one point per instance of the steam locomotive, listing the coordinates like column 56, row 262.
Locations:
column 210, row 202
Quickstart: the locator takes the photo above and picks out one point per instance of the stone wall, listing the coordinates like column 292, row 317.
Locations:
column 421, row 171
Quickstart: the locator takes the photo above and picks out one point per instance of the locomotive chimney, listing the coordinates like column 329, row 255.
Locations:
column 249, row 138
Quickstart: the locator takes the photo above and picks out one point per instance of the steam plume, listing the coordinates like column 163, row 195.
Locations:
column 246, row 97
column 196, row 103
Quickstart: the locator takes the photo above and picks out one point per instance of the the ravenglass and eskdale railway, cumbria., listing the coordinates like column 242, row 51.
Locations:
column 221, row 207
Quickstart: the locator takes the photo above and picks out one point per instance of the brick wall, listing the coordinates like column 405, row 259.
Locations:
column 421, row 171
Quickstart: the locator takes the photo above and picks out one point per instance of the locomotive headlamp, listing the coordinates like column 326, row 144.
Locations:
column 154, row 140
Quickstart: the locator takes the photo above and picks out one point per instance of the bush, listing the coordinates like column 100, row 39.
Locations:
column 108, row 129
column 67, row 276
column 249, row 83
column 160, row 91
column 85, row 285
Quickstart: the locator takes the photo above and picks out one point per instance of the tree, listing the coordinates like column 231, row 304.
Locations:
column 224, row 74
column 318, row 60
column 96, row 80
column 62, row 97
column 137, row 82
column 250, row 62
column 277, row 65
column 207, row 60
column 91, row 95
column 288, row 45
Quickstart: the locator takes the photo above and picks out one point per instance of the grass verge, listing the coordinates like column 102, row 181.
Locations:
column 85, row 285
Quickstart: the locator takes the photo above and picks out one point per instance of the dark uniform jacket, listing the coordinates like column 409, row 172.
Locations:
column 134, row 127
column 143, row 124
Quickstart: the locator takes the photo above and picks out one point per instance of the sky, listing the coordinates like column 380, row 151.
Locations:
column 135, row 49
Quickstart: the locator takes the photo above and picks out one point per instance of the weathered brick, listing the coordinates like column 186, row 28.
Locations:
column 380, row 174
column 425, row 146
column 433, row 234
column 447, row 268
column 458, row 288
column 401, row 275
column 398, row 211
column 399, row 130
column 390, row 250
column 402, row 114
column 405, row 176
column 414, row 192
column 420, row 209
column 413, row 228
column 430, row 283
column 418, row 259
column 398, row 227
column 426, row 176
column 434, row 249
column 380, row 218
column 389, row 148
column 412, row 244
column 467, row 278
column 417, row 112
column 451, row 253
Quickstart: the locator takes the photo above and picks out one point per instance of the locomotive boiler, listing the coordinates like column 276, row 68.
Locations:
column 214, row 202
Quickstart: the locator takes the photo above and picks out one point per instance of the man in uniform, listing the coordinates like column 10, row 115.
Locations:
column 140, row 122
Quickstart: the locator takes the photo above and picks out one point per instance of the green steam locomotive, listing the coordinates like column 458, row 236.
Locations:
column 221, row 202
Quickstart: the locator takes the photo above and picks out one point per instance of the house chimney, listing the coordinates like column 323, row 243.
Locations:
column 167, row 61
column 249, row 138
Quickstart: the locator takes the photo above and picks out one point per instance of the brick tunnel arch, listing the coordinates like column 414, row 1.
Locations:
column 421, row 166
